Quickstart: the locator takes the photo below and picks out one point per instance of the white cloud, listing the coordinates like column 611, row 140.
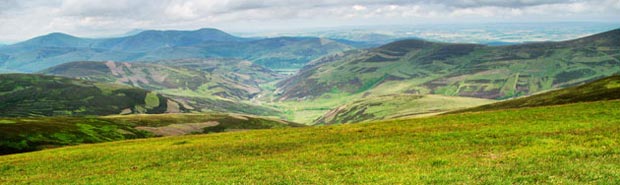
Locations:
column 20, row 20
column 185, row 10
column 359, row 7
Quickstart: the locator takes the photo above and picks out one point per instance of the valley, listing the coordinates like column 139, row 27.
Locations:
column 399, row 79
column 187, row 107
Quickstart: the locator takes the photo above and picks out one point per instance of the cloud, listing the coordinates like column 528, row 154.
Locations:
column 505, row 3
column 359, row 7
column 20, row 20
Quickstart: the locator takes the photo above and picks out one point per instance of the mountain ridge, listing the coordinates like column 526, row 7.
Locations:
column 56, row 48
column 496, row 72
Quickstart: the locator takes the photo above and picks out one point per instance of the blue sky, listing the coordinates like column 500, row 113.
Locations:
column 20, row 20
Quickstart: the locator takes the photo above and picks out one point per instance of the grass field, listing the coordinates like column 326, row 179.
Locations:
column 566, row 144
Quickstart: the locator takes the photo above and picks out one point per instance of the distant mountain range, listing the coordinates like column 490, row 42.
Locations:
column 58, row 48
column 472, row 70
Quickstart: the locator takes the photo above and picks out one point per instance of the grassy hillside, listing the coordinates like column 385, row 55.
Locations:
column 50, row 50
column 28, row 134
column 204, row 104
column 222, row 85
column 396, row 106
column 567, row 144
column 27, row 95
column 158, row 77
column 241, row 71
column 495, row 72
column 599, row 90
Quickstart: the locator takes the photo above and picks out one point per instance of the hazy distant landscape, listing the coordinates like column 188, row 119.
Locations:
column 321, row 92
column 480, row 33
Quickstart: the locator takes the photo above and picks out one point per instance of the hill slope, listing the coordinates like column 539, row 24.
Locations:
column 599, row 90
column 241, row 71
column 569, row 144
column 54, row 49
column 220, row 85
column 495, row 72
column 158, row 77
column 396, row 106
column 28, row 134
column 37, row 95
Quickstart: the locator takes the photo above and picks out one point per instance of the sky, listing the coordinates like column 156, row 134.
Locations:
column 21, row 19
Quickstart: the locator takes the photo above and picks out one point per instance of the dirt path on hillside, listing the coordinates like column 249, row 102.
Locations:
column 179, row 129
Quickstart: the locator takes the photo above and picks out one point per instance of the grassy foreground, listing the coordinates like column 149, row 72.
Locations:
column 566, row 144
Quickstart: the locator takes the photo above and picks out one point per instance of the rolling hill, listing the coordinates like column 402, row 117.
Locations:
column 422, row 67
column 567, row 144
column 204, row 85
column 29, row 134
column 161, row 78
column 27, row 95
column 241, row 71
column 599, row 90
column 396, row 106
column 58, row 48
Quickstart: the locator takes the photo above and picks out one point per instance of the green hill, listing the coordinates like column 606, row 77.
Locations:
column 26, row 95
column 567, row 144
column 494, row 72
column 159, row 77
column 28, row 134
column 599, row 90
column 396, row 106
column 240, row 71
column 205, row 85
